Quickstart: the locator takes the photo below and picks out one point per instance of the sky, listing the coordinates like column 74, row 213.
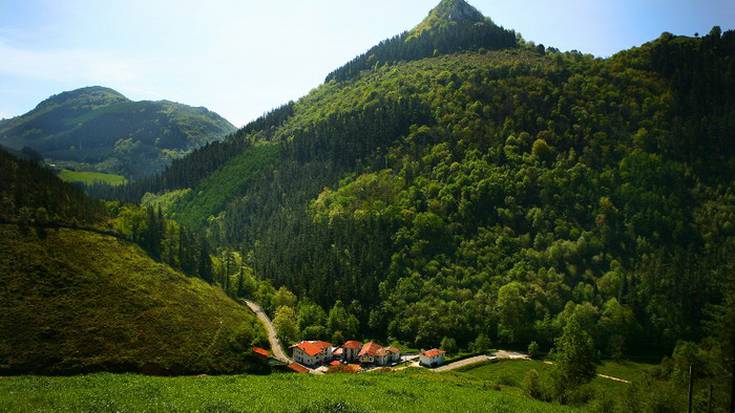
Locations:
column 241, row 58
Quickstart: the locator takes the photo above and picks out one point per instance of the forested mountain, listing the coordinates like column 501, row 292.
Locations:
column 97, row 128
column 489, row 190
column 453, row 26
column 78, row 295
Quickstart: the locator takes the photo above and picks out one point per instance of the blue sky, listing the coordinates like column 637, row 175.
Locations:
column 241, row 58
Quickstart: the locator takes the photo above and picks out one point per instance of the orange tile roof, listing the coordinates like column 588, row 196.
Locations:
column 261, row 352
column 298, row 368
column 393, row 349
column 433, row 353
column 312, row 348
column 352, row 344
column 382, row 352
column 369, row 349
column 352, row 368
column 335, row 363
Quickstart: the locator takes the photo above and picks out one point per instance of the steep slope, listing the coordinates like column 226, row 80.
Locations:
column 446, row 13
column 76, row 302
column 31, row 192
column 453, row 26
column 98, row 128
column 494, row 194
column 76, row 297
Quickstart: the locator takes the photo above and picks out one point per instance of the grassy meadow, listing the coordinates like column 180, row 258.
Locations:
column 407, row 391
column 89, row 178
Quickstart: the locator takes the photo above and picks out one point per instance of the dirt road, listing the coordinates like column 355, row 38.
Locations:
column 276, row 347
column 499, row 355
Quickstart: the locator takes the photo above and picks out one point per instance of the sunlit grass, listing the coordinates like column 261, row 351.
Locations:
column 89, row 178
column 407, row 391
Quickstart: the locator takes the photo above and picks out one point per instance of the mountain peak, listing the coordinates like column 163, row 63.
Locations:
column 447, row 12
column 91, row 95
column 457, row 10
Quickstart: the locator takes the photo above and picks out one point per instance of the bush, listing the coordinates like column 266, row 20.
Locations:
column 482, row 344
column 533, row 386
column 533, row 350
column 449, row 345
column 603, row 404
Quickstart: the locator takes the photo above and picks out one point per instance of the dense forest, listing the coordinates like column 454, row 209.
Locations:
column 458, row 184
column 537, row 180
column 31, row 192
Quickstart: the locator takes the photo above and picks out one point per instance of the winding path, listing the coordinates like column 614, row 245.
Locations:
column 276, row 347
column 499, row 355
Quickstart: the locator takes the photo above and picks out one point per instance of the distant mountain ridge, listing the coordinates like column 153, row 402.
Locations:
column 100, row 129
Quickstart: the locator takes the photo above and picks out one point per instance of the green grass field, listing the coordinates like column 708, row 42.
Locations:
column 407, row 391
column 89, row 178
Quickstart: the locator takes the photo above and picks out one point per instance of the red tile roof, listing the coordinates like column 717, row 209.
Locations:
column 335, row 363
column 352, row 368
column 352, row 344
column 433, row 353
column 298, row 368
column 369, row 349
column 312, row 348
column 261, row 352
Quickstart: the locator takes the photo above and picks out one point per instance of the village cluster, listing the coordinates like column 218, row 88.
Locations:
column 354, row 355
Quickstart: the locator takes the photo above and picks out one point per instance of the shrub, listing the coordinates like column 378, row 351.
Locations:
column 533, row 350
column 449, row 345
column 533, row 386
column 482, row 344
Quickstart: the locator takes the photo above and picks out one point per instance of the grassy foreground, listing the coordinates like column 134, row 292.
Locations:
column 89, row 178
column 75, row 302
column 407, row 391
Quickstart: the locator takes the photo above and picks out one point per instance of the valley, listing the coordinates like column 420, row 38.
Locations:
column 539, row 230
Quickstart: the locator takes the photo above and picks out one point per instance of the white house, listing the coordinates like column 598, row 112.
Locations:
column 351, row 350
column 432, row 358
column 312, row 353
column 372, row 353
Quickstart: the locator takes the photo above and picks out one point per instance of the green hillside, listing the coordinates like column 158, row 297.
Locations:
column 77, row 297
column 31, row 192
column 97, row 128
column 493, row 193
column 76, row 302
column 410, row 391
column 229, row 181
column 458, row 186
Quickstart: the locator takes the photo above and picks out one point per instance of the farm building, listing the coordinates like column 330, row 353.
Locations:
column 312, row 353
column 373, row 353
column 351, row 350
column 432, row 358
